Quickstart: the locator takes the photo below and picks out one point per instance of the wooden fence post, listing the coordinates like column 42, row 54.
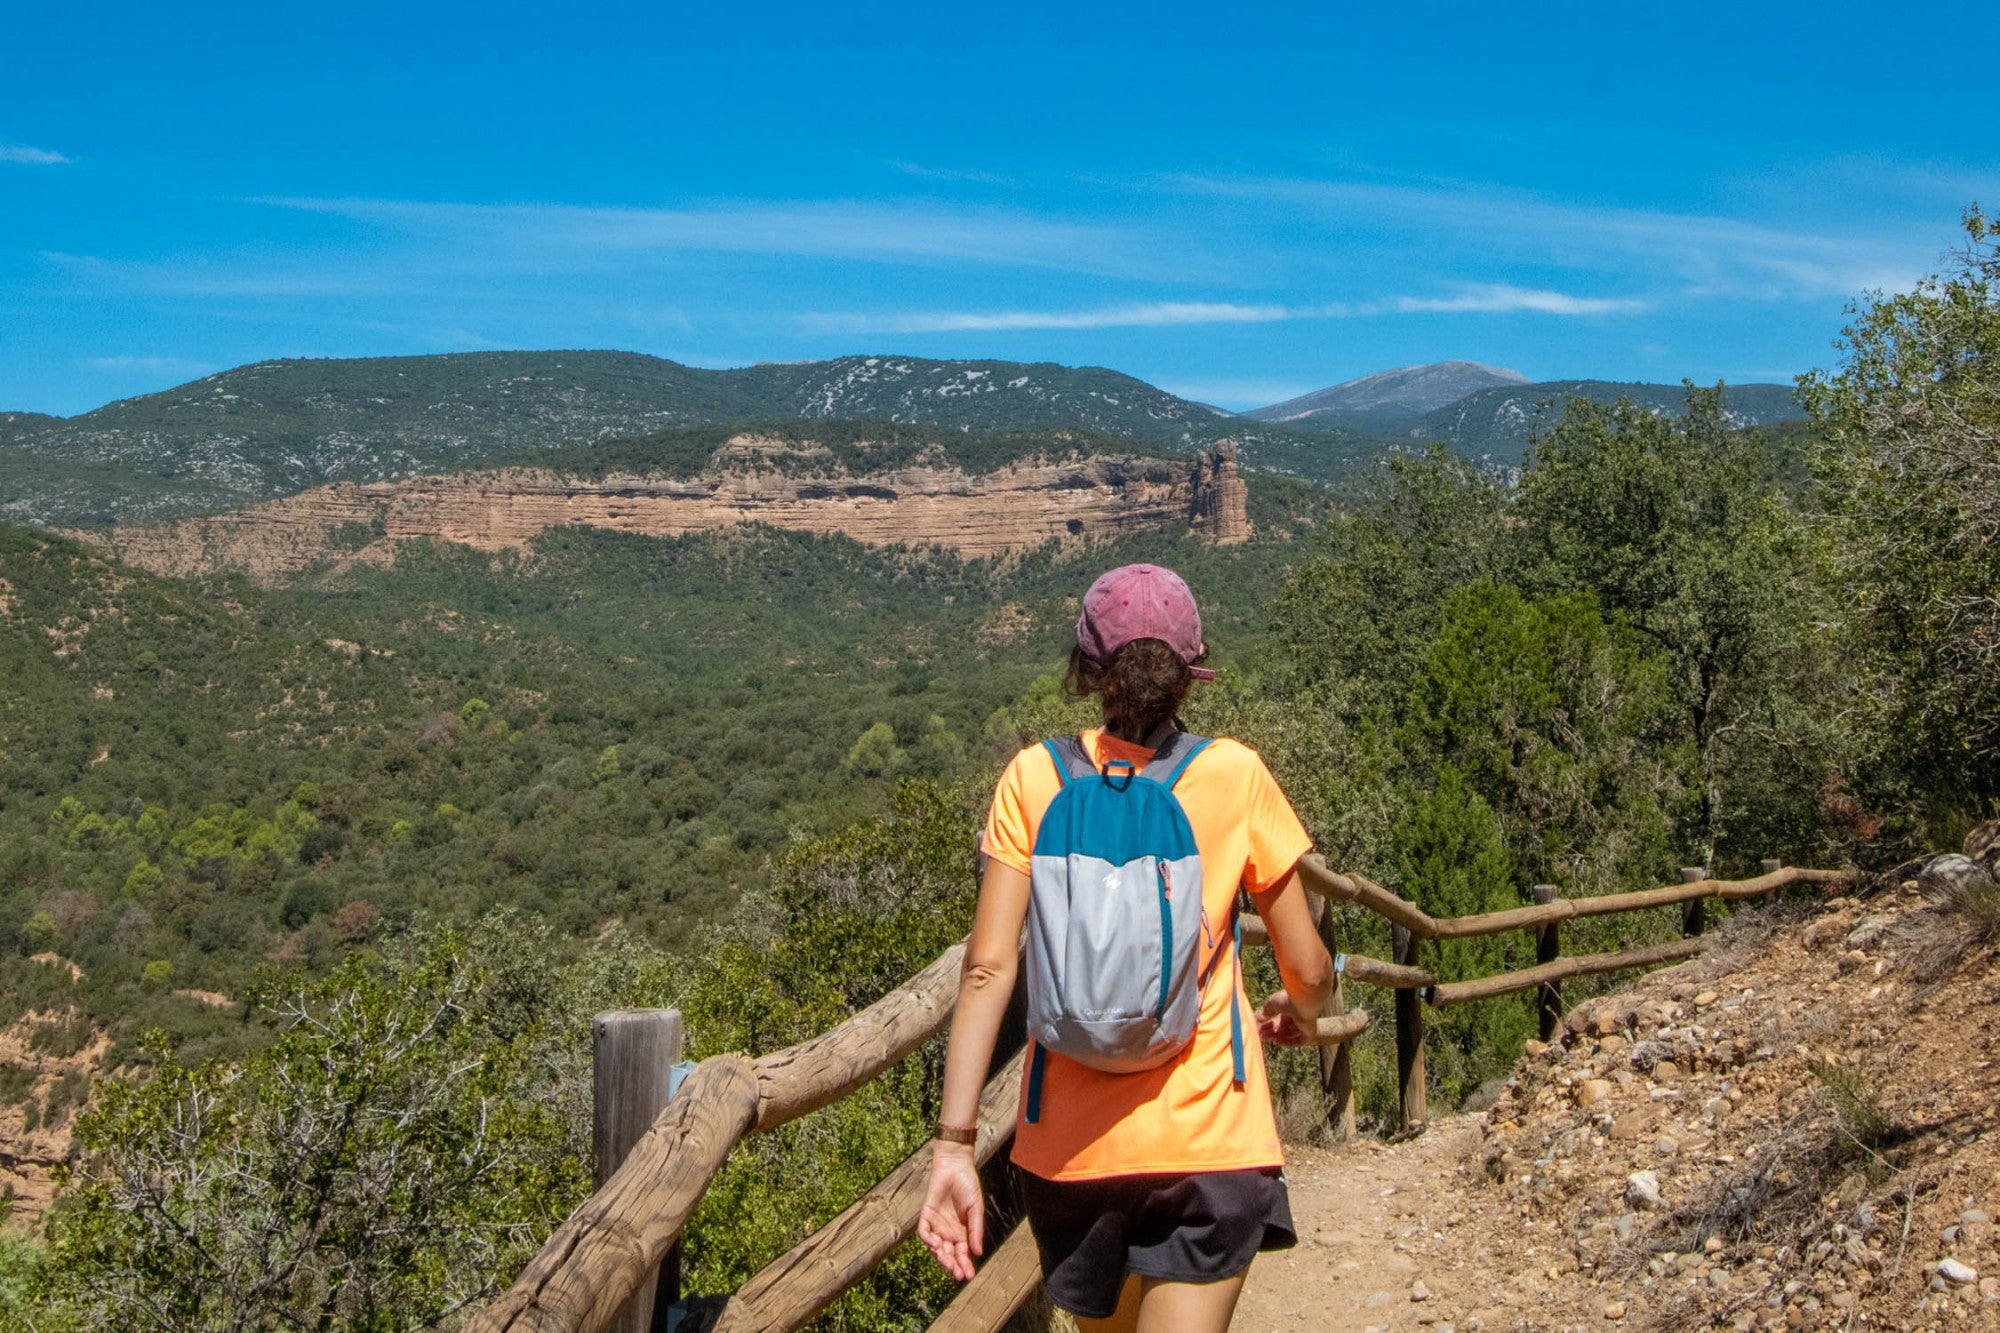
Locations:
column 1548, row 948
column 1336, row 1070
column 1409, row 1038
column 632, row 1056
column 1694, row 912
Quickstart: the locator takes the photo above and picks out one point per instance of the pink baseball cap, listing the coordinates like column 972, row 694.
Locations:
column 1141, row 602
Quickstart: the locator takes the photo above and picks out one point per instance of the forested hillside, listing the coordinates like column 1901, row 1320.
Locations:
column 279, row 427
column 204, row 777
column 1499, row 423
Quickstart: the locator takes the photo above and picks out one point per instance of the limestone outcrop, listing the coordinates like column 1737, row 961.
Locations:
column 1019, row 506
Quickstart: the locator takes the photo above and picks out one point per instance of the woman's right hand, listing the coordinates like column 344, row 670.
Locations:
column 953, row 1220
column 1282, row 1022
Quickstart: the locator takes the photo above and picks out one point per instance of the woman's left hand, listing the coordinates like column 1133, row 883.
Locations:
column 953, row 1220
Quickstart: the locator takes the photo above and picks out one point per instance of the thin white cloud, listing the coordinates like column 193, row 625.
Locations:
column 1152, row 314
column 251, row 276
column 950, row 174
column 921, row 233
column 1703, row 254
column 1501, row 299
column 1485, row 298
column 151, row 365
column 34, row 157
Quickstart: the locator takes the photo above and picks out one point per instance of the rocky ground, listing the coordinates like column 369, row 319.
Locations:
column 45, row 1084
column 1800, row 1129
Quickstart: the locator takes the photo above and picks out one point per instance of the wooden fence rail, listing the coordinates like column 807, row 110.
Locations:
column 814, row 1272
column 1000, row 1287
column 613, row 1245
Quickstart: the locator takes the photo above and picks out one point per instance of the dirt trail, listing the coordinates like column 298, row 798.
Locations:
column 1798, row 1130
column 1375, row 1221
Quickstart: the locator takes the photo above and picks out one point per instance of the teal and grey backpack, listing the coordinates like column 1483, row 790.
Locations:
column 1115, row 918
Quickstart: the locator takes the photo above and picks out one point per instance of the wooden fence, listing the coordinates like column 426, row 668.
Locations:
column 602, row 1267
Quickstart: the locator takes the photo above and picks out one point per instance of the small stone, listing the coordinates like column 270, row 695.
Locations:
column 1630, row 1127
column 1666, row 1071
column 1642, row 1190
column 1614, row 1310
column 1951, row 1270
column 1534, row 1048
column 1868, row 932
column 1419, row 1292
column 1621, row 1225
column 1705, row 999
column 1592, row 1091
column 1713, row 1245
column 1666, row 1146
column 1853, row 960
column 1973, row 1215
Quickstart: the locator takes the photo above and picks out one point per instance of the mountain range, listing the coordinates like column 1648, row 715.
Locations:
column 276, row 428
column 1391, row 395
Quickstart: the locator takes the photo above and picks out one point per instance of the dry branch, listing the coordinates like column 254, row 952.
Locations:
column 806, row 1279
column 1583, row 965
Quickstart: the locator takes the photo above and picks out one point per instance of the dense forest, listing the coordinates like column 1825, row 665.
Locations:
column 605, row 729
column 481, row 798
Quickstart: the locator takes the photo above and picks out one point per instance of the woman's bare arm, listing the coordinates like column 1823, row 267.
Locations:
column 1303, row 962
column 953, row 1220
column 985, row 985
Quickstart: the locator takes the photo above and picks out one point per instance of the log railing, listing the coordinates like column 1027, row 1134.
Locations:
column 587, row 1274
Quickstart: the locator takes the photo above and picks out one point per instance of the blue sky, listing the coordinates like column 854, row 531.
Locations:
column 1238, row 207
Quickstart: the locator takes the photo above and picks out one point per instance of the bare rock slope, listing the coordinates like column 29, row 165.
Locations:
column 1019, row 506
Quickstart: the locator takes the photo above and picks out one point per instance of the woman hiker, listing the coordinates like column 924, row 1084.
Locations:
column 1149, row 1156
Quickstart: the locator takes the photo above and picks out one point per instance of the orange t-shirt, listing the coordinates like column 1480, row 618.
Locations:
column 1188, row 1114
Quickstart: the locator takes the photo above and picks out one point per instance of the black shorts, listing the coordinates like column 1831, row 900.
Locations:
column 1200, row 1227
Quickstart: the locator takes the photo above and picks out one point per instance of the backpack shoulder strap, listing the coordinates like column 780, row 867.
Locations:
column 1071, row 759
column 1173, row 757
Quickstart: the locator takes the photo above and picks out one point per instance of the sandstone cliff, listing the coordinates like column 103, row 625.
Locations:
column 750, row 480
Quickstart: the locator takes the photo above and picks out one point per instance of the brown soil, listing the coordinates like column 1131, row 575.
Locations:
column 1818, row 1099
